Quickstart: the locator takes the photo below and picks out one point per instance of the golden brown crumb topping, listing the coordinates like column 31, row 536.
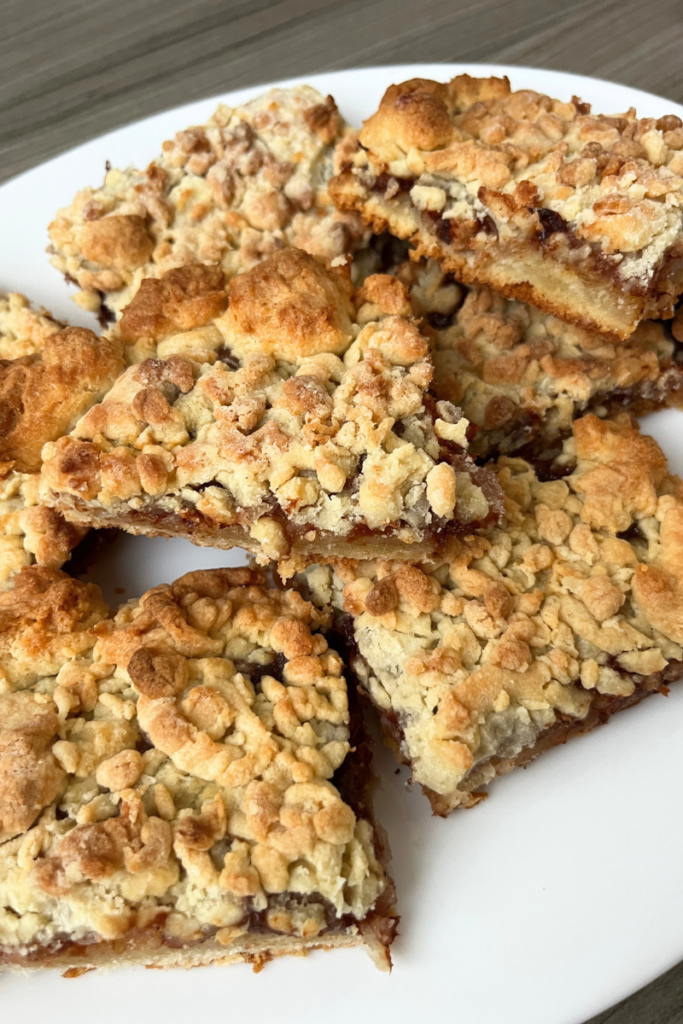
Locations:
column 287, row 406
column 526, row 623
column 231, row 192
column 49, row 376
column 182, row 755
column 481, row 169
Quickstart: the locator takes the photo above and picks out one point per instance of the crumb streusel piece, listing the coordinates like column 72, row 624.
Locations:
column 531, row 631
column 49, row 376
column 522, row 376
column 250, row 181
column 288, row 423
column 173, row 782
column 576, row 213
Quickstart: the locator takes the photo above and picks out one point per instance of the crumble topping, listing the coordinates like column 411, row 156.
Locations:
column 250, row 181
column 49, row 376
column 288, row 415
column 526, row 624
column 473, row 173
column 174, row 765
column 519, row 373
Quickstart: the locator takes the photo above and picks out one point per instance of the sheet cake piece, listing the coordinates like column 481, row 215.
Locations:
column 578, row 214
column 250, row 181
column 173, row 780
column 287, row 424
column 49, row 376
column 532, row 631
column 522, row 376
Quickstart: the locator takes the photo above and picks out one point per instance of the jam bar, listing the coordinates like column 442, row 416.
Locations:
column 231, row 192
column 522, row 376
column 576, row 213
column 278, row 416
column 174, row 782
column 531, row 631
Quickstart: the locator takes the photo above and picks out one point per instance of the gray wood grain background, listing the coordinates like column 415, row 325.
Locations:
column 74, row 69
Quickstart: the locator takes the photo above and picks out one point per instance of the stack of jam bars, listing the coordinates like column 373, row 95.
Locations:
column 399, row 368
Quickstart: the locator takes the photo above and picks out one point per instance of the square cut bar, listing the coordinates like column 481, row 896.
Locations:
column 49, row 376
column 529, row 632
column 576, row 213
column 522, row 376
column 177, row 784
column 251, row 180
column 290, row 423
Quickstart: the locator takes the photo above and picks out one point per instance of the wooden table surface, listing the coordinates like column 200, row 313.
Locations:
column 74, row 69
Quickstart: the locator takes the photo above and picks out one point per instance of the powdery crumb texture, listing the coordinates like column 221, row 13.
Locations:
column 231, row 192
column 49, row 376
column 166, row 776
column 289, row 422
column 567, row 611
column 545, row 201
column 522, row 376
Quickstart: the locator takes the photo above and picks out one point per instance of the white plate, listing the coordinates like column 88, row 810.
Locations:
column 555, row 898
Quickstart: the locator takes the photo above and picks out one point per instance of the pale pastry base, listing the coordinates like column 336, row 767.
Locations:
column 145, row 951
column 300, row 552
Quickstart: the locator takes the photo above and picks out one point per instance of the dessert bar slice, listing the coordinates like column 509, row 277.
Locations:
column 287, row 424
column 49, row 376
column 529, row 632
column 251, row 180
column 576, row 213
column 173, row 780
column 522, row 376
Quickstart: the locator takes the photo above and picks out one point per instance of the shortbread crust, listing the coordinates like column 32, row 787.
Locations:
column 289, row 423
column 531, row 631
column 169, row 780
column 49, row 376
column 576, row 213
column 231, row 192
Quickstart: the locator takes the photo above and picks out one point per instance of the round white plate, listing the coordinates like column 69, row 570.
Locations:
column 556, row 897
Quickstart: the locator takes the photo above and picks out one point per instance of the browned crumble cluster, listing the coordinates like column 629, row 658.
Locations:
column 522, row 376
column 49, row 376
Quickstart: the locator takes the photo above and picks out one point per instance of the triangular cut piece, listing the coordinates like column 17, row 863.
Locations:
column 181, row 784
column 531, row 631
column 577, row 213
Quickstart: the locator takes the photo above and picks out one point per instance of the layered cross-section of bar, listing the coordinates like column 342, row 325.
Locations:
column 577, row 213
column 522, row 376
